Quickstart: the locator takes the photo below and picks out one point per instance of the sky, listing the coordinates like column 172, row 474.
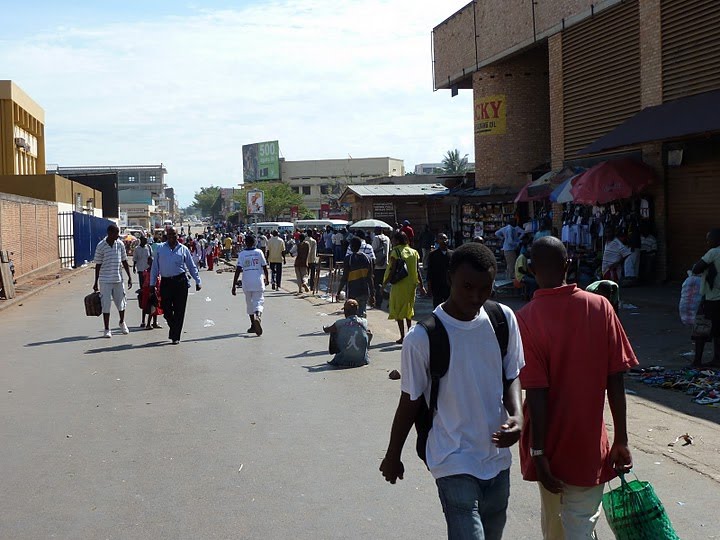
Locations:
column 187, row 84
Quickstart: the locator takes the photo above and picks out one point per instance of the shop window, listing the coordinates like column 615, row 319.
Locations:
column 306, row 190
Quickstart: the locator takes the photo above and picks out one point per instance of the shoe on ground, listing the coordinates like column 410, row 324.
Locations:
column 175, row 341
column 274, row 286
column 107, row 333
column 124, row 328
column 156, row 325
column 257, row 327
column 250, row 330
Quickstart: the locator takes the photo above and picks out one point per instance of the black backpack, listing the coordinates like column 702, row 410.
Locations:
column 440, row 362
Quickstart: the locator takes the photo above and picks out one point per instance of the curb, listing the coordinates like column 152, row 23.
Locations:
column 21, row 298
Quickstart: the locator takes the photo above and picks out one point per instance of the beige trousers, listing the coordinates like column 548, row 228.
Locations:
column 571, row 515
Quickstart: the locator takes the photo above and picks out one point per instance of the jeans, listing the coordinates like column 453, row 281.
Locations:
column 276, row 273
column 475, row 509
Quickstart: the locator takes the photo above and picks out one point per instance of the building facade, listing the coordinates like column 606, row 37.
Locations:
column 322, row 181
column 435, row 168
column 22, row 132
column 577, row 82
column 136, row 178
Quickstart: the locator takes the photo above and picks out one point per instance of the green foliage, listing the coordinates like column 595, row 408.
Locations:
column 279, row 198
column 206, row 199
column 454, row 164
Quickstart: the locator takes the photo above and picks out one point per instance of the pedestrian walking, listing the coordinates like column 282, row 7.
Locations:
column 141, row 256
column 573, row 359
column 358, row 276
column 381, row 250
column 301, row 264
column 110, row 257
column 252, row 264
column 171, row 263
column 510, row 236
column 312, row 258
column 409, row 232
column 276, row 258
column 709, row 267
column 402, row 292
column 438, row 263
column 478, row 399
column 337, row 240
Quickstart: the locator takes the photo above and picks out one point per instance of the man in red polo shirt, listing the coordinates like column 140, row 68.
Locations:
column 575, row 351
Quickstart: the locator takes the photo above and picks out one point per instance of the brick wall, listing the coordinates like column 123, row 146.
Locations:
column 506, row 159
column 557, row 112
column 650, row 53
column 29, row 229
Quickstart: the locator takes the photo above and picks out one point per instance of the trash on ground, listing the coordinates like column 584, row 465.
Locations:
column 687, row 438
column 394, row 375
column 208, row 299
column 208, row 323
column 630, row 392
column 241, row 467
column 628, row 306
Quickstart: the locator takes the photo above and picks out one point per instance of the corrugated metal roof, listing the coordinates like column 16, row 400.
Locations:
column 401, row 190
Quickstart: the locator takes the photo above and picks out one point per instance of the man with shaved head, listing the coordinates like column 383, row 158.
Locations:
column 709, row 267
column 576, row 352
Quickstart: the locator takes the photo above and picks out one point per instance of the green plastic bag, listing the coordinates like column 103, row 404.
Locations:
column 634, row 512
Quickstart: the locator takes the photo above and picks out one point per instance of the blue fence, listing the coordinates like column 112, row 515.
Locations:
column 87, row 233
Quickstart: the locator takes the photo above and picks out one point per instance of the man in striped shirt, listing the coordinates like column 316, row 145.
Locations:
column 110, row 255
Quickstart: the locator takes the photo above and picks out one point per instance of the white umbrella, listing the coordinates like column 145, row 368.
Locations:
column 370, row 224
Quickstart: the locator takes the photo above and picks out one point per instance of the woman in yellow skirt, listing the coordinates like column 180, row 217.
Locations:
column 402, row 293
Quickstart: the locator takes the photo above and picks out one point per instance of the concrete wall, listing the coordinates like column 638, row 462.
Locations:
column 506, row 159
column 503, row 27
column 29, row 229
column 19, row 112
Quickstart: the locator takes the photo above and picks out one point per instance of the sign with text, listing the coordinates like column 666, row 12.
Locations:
column 384, row 211
column 255, row 202
column 261, row 161
column 491, row 115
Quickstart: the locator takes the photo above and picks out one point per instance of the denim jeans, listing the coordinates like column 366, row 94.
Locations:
column 474, row 509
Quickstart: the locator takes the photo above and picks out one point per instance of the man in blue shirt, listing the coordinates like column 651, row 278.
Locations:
column 171, row 263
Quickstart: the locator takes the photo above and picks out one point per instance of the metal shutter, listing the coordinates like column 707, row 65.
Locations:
column 693, row 208
column 690, row 47
column 601, row 74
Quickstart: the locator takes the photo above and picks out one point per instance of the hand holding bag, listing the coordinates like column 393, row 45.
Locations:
column 93, row 305
column 634, row 512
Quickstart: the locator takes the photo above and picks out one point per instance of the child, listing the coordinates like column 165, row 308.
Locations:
column 149, row 302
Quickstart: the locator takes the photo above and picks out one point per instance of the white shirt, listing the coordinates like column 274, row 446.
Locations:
column 510, row 236
column 615, row 251
column 252, row 261
column 337, row 239
column 364, row 248
column 110, row 259
column 140, row 258
column 262, row 241
column 470, row 407
column 381, row 249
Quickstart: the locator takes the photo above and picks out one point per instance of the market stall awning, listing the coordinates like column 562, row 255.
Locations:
column 611, row 181
column 692, row 115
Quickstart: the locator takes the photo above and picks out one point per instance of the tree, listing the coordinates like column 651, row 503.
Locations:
column 279, row 198
column 206, row 199
column 454, row 164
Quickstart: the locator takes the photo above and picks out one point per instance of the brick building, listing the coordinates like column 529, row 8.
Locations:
column 576, row 82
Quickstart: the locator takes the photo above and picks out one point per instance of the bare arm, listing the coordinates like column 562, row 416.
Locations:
column 238, row 270
column 392, row 467
column 509, row 432
column 700, row 267
column 620, row 452
column 537, row 404
column 97, row 276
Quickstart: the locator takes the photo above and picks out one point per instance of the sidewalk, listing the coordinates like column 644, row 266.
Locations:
column 26, row 289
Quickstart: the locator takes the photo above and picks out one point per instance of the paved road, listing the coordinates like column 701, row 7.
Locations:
column 226, row 435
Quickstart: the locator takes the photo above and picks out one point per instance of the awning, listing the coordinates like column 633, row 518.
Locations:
column 692, row 115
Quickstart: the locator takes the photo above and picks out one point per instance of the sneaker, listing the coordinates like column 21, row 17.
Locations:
column 123, row 327
column 257, row 328
column 107, row 333
column 175, row 341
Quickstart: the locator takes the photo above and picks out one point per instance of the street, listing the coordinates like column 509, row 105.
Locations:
column 230, row 435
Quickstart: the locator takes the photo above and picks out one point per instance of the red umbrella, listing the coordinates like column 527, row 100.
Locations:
column 611, row 180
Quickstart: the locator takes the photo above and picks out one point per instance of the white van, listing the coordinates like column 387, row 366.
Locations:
column 281, row 226
column 321, row 223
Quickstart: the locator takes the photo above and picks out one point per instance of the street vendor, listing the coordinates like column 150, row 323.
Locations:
column 709, row 267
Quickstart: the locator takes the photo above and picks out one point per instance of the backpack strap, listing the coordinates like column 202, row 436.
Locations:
column 499, row 323
column 439, row 356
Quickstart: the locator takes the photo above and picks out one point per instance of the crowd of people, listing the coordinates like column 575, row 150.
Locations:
column 464, row 367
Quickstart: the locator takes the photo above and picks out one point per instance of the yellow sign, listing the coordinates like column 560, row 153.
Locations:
column 491, row 115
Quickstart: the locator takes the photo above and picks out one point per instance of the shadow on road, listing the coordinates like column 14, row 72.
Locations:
column 308, row 353
column 127, row 347
column 68, row 339
column 215, row 338
column 319, row 368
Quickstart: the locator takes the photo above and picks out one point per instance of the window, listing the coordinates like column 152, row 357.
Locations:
column 152, row 178
column 132, row 179
column 306, row 190
column 325, row 189
column 295, row 189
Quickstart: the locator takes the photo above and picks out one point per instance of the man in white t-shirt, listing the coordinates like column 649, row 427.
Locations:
column 251, row 262
column 479, row 413
column 110, row 257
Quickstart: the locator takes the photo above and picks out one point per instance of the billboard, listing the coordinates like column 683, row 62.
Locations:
column 261, row 161
column 491, row 115
column 255, row 202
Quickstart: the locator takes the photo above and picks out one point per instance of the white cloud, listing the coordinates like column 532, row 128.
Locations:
column 326, row 78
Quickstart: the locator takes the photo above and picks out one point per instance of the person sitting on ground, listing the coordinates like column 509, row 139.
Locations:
column 358, row 276
column 349, row 338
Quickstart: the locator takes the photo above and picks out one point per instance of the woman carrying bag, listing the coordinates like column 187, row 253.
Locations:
column 403, row 273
